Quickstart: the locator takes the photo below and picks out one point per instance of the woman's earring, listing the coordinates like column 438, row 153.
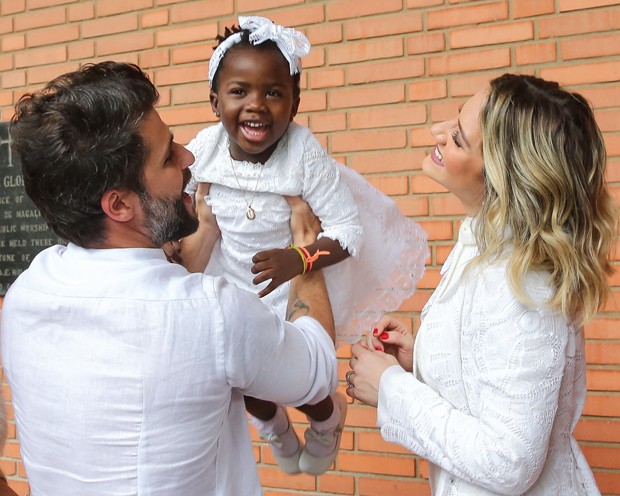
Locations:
column 217, row 114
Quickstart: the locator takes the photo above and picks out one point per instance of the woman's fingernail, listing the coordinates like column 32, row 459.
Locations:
column 375, row 332
column 384, row 335
column 378, row 348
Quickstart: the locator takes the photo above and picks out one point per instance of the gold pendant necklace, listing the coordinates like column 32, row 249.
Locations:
column 249, row 213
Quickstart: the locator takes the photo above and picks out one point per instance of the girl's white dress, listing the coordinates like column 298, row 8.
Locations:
column 388, row 249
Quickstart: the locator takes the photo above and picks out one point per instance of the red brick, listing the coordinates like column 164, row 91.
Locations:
column 201, row 10
column 602, row 96
column 35, row 20
column 185, row 115
column 422, row 184
column 8, row 7
column 601, row 457
column 400, row 115
column 536, row 53
column 274, row 477
column 110, row 25
column 443, row 205
column 187, row 34
column 401, row 23
column 602, row 405
column 397, row 487
column 584, row 4
column 603, row 380
column 325, row 33
column 413, row 206
column 368, row 140
column 250, row 7
column 155, row 18
column 39, row 4
column 6, row 25
column 608, row 482
column 594, row 46
column 491, row 35
column 422, row 136
column 374, row 95
column 53, row 36
column 327, row 122
column 426, row 43
column 459, row 16
column 445, row 110
column 44, row 74
column 113, row 8
column 390, row 185
column 298, row 16
column 327, row 78
column 470, row 61
column 407, row 159
column 427, row 89
column 579, row 23
column 385, row 71
column 375, row 464
column 181, row 75
column 190, row 93
column 130, row 42
column 338, row 484
column 154, row 58
column 81, row 11
column 200, row 52
column 311, row 102
column 81, row 50
column 40, row 56
column 348, row 9
column 529, row 8
column 598, row 430
column 366, row 50
column 13, row 42
column 583, row 73
column 418, row 4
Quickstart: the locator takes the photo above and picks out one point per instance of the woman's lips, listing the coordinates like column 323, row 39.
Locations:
column 437, row 157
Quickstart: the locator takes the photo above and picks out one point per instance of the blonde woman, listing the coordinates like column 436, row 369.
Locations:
column 495, row 384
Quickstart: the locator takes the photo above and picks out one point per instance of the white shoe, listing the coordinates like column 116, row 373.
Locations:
column 288, row 463
column 317, row 465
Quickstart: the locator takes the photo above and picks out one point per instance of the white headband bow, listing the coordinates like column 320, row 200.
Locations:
column 291, row 42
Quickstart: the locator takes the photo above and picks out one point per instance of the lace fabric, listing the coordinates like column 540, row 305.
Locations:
column 389, row 250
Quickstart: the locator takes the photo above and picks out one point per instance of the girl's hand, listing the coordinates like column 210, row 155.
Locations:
column 279, row 265
column 367, row 367
column 394, row 338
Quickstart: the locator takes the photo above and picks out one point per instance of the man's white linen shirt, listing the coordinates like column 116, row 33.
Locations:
column 127, row 374
column 496, row 389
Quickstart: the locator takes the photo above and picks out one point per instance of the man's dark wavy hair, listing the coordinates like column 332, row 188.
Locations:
column 79, row 137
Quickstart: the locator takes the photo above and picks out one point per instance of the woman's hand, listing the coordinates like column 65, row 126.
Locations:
column 394, row 338
column 367, row 367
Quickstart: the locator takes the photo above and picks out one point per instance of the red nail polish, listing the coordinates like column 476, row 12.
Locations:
column 378, row 348
column 375, row 332
column 384, row 335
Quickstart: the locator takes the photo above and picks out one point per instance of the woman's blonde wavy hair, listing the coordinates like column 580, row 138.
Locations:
column 546, row 203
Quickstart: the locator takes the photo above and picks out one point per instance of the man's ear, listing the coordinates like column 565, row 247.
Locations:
column 215, row 103
column 120, row 205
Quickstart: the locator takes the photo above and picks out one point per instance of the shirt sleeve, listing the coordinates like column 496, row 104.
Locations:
column 330, row 198
column 516, row 367
column 267, row 357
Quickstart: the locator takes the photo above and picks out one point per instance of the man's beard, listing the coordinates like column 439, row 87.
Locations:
column 167, row 219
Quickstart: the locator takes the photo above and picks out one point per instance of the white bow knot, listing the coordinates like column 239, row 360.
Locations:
column 292, row 43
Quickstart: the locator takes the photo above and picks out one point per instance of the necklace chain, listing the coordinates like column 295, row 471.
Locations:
column 250, row 212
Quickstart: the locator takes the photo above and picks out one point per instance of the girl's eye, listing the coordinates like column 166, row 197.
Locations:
column 273, row 93
column 455, row 138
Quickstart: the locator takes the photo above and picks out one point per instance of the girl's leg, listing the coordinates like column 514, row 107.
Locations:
column 323, row 437
column 274, row 426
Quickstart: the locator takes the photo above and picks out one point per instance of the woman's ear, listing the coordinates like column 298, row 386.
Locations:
column 120, row 205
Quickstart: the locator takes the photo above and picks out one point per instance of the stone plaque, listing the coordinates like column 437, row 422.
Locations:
column 23, row 232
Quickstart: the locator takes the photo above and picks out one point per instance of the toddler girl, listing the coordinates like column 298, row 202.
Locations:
column 254, row 158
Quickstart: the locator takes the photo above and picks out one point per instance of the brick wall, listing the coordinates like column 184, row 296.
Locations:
column 379, row 74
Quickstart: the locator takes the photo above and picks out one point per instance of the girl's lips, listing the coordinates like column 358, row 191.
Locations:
column 253, row 131
column 437, row 157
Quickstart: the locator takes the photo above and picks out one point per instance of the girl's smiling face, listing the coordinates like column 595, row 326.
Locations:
column 256, row 99
column 456, row 162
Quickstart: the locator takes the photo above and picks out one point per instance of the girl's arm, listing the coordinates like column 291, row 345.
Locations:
column 282, row 264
